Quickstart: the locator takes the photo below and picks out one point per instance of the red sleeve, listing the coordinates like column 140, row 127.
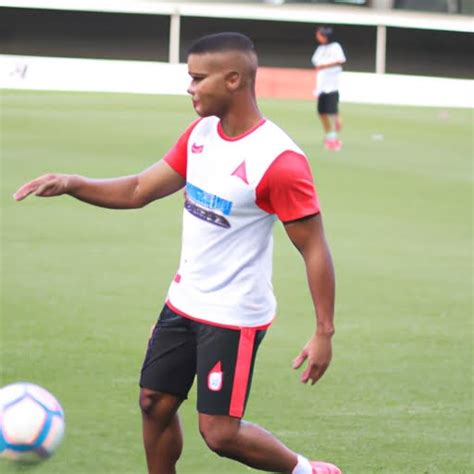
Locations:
column 287, row 188
column 177, row 156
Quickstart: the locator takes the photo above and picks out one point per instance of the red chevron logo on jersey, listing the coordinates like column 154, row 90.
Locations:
column 241, row 172
column 197, row 148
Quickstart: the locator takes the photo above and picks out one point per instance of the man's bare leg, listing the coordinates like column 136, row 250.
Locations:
column 247, row 443
column 162, row 435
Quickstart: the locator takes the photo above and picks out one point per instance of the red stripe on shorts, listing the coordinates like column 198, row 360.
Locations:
column 242, row 371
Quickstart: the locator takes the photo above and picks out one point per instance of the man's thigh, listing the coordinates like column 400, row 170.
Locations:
column 225, row 364
column 170, row 360
column 328, row 103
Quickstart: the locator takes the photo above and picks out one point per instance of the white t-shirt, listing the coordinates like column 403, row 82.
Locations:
column 327, row 80
column 236, row 187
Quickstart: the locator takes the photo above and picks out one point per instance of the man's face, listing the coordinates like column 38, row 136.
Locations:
column 208, row 87
column 320, row 38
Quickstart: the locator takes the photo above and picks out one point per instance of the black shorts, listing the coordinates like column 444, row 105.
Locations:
column 223, row 359
column 328, row 103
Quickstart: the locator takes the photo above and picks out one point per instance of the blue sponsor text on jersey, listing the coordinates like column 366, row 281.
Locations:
column 211, row 201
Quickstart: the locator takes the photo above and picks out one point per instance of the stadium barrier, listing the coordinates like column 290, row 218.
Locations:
column 375, row 40
column 95, row 75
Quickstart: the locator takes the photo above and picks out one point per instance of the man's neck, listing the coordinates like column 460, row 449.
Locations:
column 240, row 121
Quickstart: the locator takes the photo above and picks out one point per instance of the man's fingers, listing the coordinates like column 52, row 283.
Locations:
column 41, row 189
column 314, row 374
column 47, row 185
column 21, row 194
column 305, row 376
column 24, row 191
column 319, row 373
column 28, row 188
column 299, row 359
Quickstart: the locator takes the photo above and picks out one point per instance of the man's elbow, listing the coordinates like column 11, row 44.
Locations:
column 139, row 197
column 140, row 201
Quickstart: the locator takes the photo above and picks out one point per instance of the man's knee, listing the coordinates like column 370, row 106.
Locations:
column 158, row 404
column 219, row 433
column 148, row 400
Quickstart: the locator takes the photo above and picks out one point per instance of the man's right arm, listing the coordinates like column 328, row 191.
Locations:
column 127, row 192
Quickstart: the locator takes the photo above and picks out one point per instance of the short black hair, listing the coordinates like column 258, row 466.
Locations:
column 327, row 31
column 221, row 42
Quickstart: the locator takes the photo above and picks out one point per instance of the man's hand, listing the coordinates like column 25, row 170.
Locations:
column 318, row 352
column 45, row 186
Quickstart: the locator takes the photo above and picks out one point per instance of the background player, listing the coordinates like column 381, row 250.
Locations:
column 240, row 171
column 328, row 59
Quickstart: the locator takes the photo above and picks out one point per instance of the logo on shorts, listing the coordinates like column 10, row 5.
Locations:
column 214, row 378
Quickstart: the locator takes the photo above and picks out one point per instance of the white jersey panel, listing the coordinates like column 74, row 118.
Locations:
column 225, row 270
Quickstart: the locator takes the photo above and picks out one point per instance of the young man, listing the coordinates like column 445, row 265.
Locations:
column 328, row 59
column 240, row 172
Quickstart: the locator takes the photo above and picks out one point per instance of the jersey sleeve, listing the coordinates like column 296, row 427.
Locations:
column 315, row 59
column 287, row 188
column 177, row 155
column 338, row 53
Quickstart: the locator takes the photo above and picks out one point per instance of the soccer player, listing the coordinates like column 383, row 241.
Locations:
column 240, row 172
column 328, row 60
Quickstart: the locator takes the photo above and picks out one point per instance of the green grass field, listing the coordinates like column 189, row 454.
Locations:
column 81, row 286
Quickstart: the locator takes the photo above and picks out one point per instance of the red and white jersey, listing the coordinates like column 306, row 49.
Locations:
column 236, row 187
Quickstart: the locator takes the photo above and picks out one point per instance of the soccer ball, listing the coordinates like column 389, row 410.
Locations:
column 31, row 422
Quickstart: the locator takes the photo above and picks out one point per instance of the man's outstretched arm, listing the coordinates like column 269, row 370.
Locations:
column 127, row 192
column 308, row 237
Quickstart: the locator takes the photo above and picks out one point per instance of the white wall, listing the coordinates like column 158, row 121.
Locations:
column 69, row 74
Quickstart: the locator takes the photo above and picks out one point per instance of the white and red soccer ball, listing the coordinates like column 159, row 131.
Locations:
column 31, row 422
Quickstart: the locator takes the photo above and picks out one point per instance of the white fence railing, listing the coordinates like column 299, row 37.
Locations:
column 301, row 13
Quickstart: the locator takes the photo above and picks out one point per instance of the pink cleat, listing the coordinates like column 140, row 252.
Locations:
column 333, row 145
column 320, row 467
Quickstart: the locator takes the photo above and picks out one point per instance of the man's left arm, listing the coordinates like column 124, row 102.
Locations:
column 329, row 65
column 335, row 58
column 308, row 237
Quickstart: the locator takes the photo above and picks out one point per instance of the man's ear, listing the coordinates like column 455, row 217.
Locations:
column 233, row 80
